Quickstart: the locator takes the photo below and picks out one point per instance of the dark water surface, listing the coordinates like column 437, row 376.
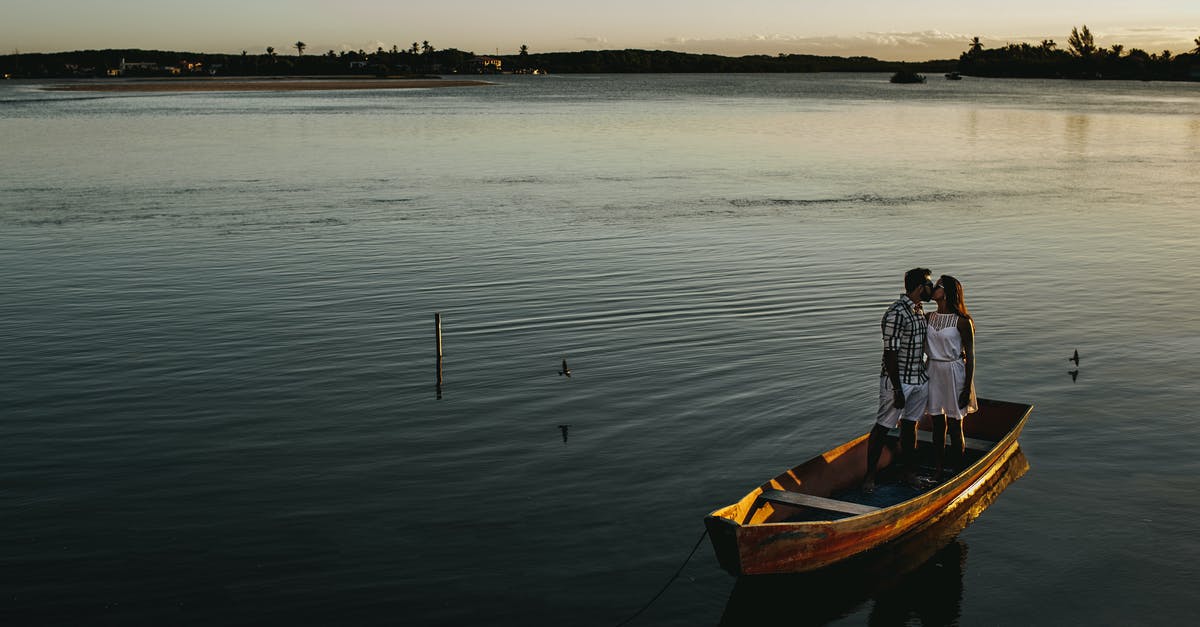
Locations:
column 218, row 388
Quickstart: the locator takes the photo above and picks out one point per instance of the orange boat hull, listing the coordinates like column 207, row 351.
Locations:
column 752, row 538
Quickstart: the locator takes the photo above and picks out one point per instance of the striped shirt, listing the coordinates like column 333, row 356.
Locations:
column 904, row 332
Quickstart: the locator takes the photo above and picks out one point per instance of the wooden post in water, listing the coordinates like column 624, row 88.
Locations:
column 437, row 331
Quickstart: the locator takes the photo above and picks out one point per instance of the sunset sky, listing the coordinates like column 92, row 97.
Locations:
column 886, row 29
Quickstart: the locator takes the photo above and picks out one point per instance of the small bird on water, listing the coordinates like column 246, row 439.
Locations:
column 565, row 370
column 564, row 428
column 1075, row 357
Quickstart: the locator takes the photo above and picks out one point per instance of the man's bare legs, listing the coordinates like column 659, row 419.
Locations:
column 875, row 443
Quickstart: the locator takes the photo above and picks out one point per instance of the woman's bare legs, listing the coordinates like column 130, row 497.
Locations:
column 957, row 444
column 939, row 443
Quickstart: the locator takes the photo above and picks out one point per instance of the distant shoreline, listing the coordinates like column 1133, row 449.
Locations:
column 1079, row 59
column 263, row 84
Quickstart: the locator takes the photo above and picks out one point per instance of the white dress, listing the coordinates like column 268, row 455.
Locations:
column 946, row 368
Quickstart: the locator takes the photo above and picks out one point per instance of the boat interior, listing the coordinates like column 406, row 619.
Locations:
column 847, row 498
column 828, row 487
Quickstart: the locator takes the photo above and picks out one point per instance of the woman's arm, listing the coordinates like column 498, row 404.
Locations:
column 966, row 330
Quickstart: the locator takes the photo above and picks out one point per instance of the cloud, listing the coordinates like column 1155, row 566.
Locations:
column 928, row 38
column 592, row 41
column 1152, row 38
column 919, row 45
column 370, row 46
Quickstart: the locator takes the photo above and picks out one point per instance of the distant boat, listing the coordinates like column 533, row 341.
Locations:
column 953, row 76
column 815, row 515
column 907, row 77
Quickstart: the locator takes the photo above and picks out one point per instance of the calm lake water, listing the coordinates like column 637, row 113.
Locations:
column 217, row 330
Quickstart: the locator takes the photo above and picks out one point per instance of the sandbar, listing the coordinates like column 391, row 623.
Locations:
column 258, row 84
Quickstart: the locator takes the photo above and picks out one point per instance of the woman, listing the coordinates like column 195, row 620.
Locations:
column 950, row 345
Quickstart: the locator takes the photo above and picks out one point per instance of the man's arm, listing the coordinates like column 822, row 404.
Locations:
column 891, row 364
column 891, row 355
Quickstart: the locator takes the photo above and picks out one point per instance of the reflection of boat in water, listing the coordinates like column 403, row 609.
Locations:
column 953, row 76
column 931, row 590
column 919, row 575
column 814, row 515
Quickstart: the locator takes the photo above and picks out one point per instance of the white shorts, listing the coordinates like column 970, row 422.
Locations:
column 915, row 398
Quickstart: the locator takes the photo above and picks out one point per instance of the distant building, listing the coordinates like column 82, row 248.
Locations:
column 75, row 69
column 136, row 67
column 486, row 65
column 186, row 67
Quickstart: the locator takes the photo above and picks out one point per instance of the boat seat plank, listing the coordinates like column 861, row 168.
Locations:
column 818, row 502
column 973, row 444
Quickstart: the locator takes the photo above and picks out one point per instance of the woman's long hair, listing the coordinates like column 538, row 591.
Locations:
column 954, row 295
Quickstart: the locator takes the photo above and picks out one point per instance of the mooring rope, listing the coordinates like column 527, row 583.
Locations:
column 667, row 585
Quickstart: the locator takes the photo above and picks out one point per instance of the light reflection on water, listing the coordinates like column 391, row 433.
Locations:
column 218, row 314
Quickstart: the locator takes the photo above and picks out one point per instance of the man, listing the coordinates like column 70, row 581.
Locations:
column 903, row 385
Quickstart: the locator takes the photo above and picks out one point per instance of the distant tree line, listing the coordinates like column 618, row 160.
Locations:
column 662, row 61
column 1080, row 59
column 425, row 58
column 417, row 58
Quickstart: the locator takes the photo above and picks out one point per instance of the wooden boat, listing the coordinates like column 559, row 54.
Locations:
column 907, row 77
column 922, row 573
column 815, row 515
